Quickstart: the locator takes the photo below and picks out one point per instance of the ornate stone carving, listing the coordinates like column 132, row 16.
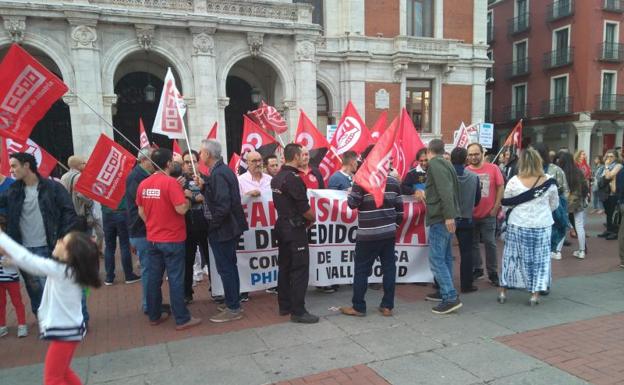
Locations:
column 289, row 104
column 70, row 99
column 305, row 50
column 398, row 69
column 109, row 100
column 145, row 35
column 15, row 27
column 249, row 9
column 162, row 4
column 203, row 44
column 424, row 67
column 84, row 36
column 255, row 41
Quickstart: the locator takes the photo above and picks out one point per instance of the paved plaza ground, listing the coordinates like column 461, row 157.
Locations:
column 576, row 336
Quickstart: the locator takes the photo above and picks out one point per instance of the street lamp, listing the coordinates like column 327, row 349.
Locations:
column 256, row 97
column 150, row 91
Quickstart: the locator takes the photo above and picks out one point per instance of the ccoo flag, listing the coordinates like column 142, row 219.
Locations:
column 170, row 115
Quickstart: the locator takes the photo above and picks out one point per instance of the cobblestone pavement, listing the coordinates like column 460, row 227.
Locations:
column 484, row 343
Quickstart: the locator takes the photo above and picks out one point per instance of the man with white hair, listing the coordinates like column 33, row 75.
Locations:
column 82, row 204
column 226, row 226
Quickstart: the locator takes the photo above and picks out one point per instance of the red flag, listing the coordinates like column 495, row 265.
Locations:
column 351, row 133
column 176, row 149
column 27, row 91
column 45, row 161
column 321, row 153
column 170, row 115
column 234, row 163
column 103, row 178
column 256, row 139
column 379, row 126
column 373, row 173
column 143, row 139
column 406, row 145
column 515, row 137
column 213, row 131
column 269, row 118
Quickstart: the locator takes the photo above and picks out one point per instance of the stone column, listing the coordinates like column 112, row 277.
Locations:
column 619, row 133
column 85, row 56
column 305, row 78
column 221, row 137
column 584, row 133
column 205, row 84
column 353, row 85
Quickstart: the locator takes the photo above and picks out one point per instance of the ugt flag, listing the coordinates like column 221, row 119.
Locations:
column 104, row 177
column 27, row 91
column 170, row 115
column 351, row 133
column 45, row 161
column 269, row 118
column 321, row 153
column 373, row 173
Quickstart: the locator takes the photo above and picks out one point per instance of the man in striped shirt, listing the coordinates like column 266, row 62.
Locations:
column 375, row 238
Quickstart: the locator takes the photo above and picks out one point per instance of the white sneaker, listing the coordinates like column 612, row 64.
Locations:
column 4, row 331
column 555, row 256
column 22, row 331
column 580, row 254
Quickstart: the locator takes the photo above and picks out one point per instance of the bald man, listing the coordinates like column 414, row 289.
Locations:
column 254, row 182
column 82, row 204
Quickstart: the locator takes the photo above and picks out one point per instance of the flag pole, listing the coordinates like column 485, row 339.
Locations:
column 503, row 147
column 113, row 127
column 188, row 144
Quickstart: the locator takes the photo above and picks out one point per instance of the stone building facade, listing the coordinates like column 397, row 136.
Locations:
column 429, row 55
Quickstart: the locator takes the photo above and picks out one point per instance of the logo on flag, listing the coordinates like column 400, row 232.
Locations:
column 45, row 161
column 170, row 115
column 269, row 118
column 351, row 133
column 27, row 91
column 322, row 155
column 143, row 139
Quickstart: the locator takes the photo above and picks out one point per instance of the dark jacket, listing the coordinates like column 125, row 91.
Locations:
column 413, row 181
column 442, row 191
column 194, row 217
column 136, row 226
column 57, row 209
column 223, row 198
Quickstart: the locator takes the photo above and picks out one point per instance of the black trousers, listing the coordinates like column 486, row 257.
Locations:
column 292, row 280
column 465, row 238
column 195, row 237
column 610, row 204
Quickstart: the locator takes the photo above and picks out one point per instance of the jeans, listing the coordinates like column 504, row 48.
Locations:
column 116, row 225
column 34, row 284
column 441, row 260
column 167, row 256
column 365, row 254
column 596, row 203
column 610, row 205
column 465, row 239
column 141, row 245
column 485, row 230
column 225, row 260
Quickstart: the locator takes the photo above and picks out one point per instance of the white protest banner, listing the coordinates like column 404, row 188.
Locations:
column 486, row 134
column 332, row 244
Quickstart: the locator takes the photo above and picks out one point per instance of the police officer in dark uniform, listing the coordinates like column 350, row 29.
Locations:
column 293, row 217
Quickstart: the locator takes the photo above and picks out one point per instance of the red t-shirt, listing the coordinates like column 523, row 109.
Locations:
column 158, row 195
column 491, row 178
column 309, row 179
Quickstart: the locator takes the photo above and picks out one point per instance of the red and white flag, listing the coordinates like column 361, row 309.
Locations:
column 256, row 139
column 379, row 126
column 177, row 151
column 321, row 153
column 213, row 131
column 45, row 161
column 143, row 139
column 461, row 137
column 269, row 118
column 234, row 163
column 373, row 173
column 104, row 177
column 27, row 91
column 170, row 115
column 514, row 139
column 351, row 134
column 406, row 145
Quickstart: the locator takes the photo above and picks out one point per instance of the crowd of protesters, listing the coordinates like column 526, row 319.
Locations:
column 175, row 220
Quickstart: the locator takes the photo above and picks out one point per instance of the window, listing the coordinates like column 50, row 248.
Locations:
column 561, row 47
column 420, row 18
column 488, row 107
column 489, row 72
column 522, row 14
column 611, row 46
column 323, row 110
column 317, row 13
column 490, row 26
column 608, row 97
column 418, row 103
column 519, row 98
column 520, row 57
column 559, row 104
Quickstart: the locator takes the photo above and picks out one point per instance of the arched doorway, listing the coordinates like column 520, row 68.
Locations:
column 53, row 132
column 138, row 85
column 323, row 110
column 249, row 81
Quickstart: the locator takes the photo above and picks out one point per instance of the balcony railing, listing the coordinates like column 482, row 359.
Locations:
column 516, row 112
column 186, row 5
column 558, row 58
column 559, row 9
column 610, row 103
column 613, row 5
column 518, row 24
column 518, row 68
column 489, row 74
column 559, row 106
column 613, row 52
